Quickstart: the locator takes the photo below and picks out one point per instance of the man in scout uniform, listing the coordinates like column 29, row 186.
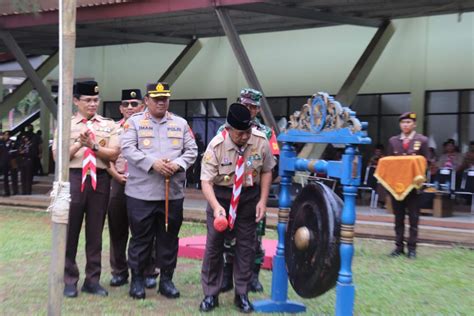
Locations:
column 251, row 99
column 158, row 146
column 93, row 143
column 117, row 209
column 407, row 143
column 236, row 174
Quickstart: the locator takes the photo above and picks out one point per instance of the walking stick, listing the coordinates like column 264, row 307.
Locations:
column 167, row 192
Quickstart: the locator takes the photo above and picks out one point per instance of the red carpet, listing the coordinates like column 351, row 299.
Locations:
column 193, row 248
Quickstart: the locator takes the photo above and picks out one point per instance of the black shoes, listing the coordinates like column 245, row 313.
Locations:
column 255, row 285
column 411, row 254
column 243, row 304
column 118, row 280
column 228, row 280
column 94, row 288
column 209, row 303
column 166, row 286
column 150, row 282
column 397, row 252
column 70, row 290
column 137, row 287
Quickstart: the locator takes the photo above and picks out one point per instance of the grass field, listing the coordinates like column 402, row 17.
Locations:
column 439, row 282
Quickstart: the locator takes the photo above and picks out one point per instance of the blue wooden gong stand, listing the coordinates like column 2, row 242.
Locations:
column 324, row 122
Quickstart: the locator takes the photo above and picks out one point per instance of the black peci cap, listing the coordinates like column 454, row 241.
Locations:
column 86, row 88
column 239, row 117
column 131, row 94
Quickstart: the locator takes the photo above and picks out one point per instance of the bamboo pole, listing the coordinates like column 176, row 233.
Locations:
column 60, row 213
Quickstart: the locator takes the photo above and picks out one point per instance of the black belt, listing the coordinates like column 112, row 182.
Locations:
column 79, row 171
column 229, row 190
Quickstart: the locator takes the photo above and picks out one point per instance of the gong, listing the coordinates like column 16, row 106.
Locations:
column 312, row 240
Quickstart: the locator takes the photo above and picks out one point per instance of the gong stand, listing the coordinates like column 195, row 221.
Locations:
column 323, row 120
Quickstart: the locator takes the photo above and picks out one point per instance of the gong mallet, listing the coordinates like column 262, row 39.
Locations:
column 220, row 223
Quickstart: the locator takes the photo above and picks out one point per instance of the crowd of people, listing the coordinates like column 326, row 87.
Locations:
column 133, row 172
column 20, row 154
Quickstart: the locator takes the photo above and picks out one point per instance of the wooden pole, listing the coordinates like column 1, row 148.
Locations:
column 67, row 43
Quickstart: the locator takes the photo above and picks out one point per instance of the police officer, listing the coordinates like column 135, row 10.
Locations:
column 12, row 147
column 91, row 135
column 251, row 99
column 158, row 145
column 28, row 151
column 217, row 175
column 409, row 142
column 117, row 210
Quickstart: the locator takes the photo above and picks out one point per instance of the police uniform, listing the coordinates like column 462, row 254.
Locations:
column 145, row 140
column 218, row 166
column 416, row 144
column 88, row 203
column 27, row 151
column 12, row 147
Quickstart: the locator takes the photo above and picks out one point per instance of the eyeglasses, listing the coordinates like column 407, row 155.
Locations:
column 134, row 104
column 90, row 100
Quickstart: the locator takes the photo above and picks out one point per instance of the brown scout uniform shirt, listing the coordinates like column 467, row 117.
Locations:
column 219, row 160
column 121, row 162
column 105, row 132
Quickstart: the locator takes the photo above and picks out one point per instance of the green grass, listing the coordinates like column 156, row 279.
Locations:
column 439, row 282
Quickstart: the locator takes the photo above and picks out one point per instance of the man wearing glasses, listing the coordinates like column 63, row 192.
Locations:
column 117, row 210
column 159, row 147
column 93, row 143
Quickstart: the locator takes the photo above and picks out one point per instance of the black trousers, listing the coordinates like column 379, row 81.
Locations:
column 147, row 222
column 6, row 181
column 93, row 205
column 245, row 234
column 408, row 206
column 26, row 175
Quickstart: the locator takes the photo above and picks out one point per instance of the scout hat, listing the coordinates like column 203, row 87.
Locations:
column 160, row 89
column 408, row 115
column 86, row 88
column 131, row 94
column 250, row 96
column 239, row 117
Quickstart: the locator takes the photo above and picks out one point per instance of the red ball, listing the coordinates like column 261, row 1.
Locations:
column 220, row 223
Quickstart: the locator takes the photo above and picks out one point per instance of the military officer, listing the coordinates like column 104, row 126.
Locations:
column 220, row 162
column 409, row 142
column 158, row 146
column 251, row 99
column 117, row 210
column 91, row 136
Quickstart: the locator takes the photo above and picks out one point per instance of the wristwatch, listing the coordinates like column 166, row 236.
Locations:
column 95, row 147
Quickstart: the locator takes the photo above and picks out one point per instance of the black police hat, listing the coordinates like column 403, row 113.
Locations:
column 408, row 115
column 239, row 117
column 130, row 94
column 86, row 88
column 160, row 89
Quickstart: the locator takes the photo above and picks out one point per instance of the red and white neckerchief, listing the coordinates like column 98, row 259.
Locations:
column 89, row 161
column 237, row 188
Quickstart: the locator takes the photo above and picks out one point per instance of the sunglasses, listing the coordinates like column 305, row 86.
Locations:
column 132, row 103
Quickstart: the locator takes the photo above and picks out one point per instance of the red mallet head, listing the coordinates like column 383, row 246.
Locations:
column 220, row 223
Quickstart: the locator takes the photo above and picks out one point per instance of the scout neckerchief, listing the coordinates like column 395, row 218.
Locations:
column 89, row 160
column 237, row 188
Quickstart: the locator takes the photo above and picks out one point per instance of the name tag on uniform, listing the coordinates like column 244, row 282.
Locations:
column 175, row 134
column 145, row 133
column 226, row 162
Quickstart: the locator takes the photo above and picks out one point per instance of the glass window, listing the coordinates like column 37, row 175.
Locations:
column 395, row 103
column 439, row 135
column 278, row 106
column 196, row 108
column 442, row 102
column 373, row 127
column 297, row 103
column 111, row 110
column 471, row 101
column 217, row 108
column 389, row 127
column 178, row 107
column 366, row 104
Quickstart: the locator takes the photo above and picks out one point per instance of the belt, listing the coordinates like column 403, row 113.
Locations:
column 79, row 171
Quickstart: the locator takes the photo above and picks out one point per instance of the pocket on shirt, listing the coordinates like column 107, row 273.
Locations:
column 175, row 141
column 145, row 143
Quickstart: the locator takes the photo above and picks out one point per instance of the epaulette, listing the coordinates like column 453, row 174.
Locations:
column 219, row 138
column 258, row 133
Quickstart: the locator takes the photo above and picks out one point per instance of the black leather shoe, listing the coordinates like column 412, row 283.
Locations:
column 255, row 285
column 118, row 280
column 94, row 288
column 166, row 286
column 243, row 304
column 411, row 254
column 137, row 287
column 209, row 303
column 397, row 252
column 227, row 280
column 70, row 290
column 150, row 282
